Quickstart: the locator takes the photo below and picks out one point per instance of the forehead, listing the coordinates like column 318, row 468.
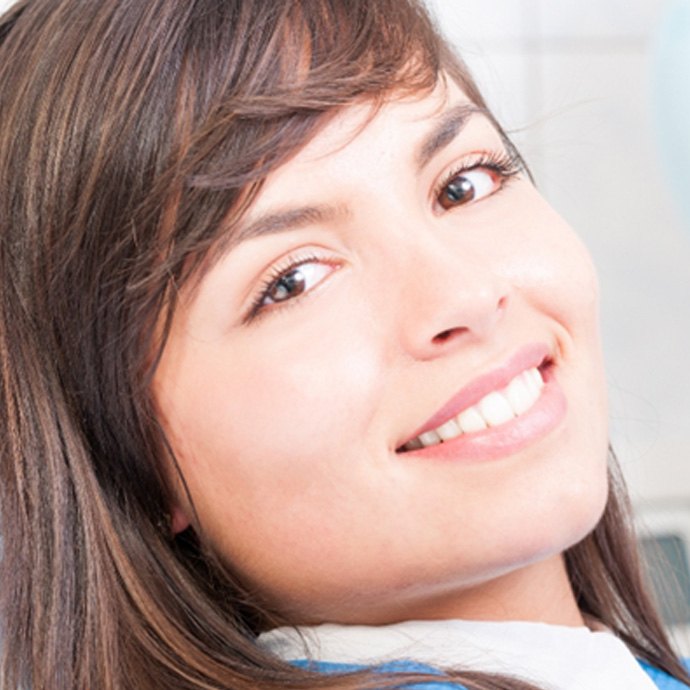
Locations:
column 372, row 119
column 362, row 133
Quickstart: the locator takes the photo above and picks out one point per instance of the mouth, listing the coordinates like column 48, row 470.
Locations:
column 491, row 402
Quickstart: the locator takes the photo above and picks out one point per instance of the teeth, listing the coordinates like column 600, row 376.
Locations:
column 429, row 438
column 534, row 380
column 496, row 409
column 449, row 430
column 520, row 395
column 492, row 410
column 471, row 420
column 538, row 379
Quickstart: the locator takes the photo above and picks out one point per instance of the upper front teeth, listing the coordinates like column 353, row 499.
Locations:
column 493, row 409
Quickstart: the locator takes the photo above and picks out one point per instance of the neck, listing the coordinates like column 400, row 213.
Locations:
column 540, row 592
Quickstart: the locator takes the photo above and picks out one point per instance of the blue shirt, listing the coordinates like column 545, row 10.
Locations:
column 662, row 680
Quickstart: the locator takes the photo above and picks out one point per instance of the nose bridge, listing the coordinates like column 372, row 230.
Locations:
column 449, row 296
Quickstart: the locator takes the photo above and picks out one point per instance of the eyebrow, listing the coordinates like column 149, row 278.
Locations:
column 447, row 128
column 290, row 219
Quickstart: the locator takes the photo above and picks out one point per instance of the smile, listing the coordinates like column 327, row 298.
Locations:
column 497, row 414
column 494, row 409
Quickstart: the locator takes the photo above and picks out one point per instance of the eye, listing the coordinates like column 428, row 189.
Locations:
column 294, row 282
column 286, row 283
column 477, row 178
column 468, row 186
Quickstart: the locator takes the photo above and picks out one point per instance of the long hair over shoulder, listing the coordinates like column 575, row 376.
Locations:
column 133, row 136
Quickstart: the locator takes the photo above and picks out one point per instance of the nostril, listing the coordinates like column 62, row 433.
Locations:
column 444, row 336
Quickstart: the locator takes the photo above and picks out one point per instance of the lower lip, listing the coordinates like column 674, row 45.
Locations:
column 509, row 438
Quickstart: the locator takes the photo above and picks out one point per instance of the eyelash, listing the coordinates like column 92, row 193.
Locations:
column 280, row 270
column 506, row 164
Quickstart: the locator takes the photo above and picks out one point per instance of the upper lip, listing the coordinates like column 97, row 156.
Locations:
column 527, row 357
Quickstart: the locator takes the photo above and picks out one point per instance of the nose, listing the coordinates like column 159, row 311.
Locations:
column 448, row 300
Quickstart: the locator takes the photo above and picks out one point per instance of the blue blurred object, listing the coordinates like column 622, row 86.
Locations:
column 671, row 96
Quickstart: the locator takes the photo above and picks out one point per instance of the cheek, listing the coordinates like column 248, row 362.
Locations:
column 258, row 421
column 552, row 271
column 298, row 391
column 547, row 260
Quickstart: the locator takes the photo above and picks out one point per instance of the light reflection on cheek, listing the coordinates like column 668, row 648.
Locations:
column 321, row 390
column 543, row 254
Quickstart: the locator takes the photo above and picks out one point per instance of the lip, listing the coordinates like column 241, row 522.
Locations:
column 506, row 438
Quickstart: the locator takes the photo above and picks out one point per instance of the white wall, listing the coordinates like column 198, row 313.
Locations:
column 573, row 79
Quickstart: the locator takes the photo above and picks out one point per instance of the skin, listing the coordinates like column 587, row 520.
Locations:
column 286, row 426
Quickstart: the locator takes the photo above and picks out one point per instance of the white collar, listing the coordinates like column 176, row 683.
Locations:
column 558, row 657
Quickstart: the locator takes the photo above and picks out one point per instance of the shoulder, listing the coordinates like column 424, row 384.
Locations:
column 662, row 680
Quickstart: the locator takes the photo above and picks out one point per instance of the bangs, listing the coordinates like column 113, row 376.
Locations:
column 248, row 107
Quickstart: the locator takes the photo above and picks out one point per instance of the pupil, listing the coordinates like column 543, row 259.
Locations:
column 290, row 285
column 460, row 189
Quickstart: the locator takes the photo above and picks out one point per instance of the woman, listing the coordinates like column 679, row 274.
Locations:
column 289, row 338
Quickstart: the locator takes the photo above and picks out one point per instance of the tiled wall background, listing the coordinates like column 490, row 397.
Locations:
column 572, row 79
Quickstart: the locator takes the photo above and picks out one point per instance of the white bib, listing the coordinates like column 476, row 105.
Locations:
column 555, row 657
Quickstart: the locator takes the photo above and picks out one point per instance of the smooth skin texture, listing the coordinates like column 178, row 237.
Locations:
column 286, row 420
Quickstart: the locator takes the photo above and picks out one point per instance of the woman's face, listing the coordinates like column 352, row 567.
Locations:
column 397, row 276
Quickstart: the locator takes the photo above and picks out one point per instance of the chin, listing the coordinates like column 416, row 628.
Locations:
column 574, row 517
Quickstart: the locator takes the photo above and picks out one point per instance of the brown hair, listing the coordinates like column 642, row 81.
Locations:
column 133, row 136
